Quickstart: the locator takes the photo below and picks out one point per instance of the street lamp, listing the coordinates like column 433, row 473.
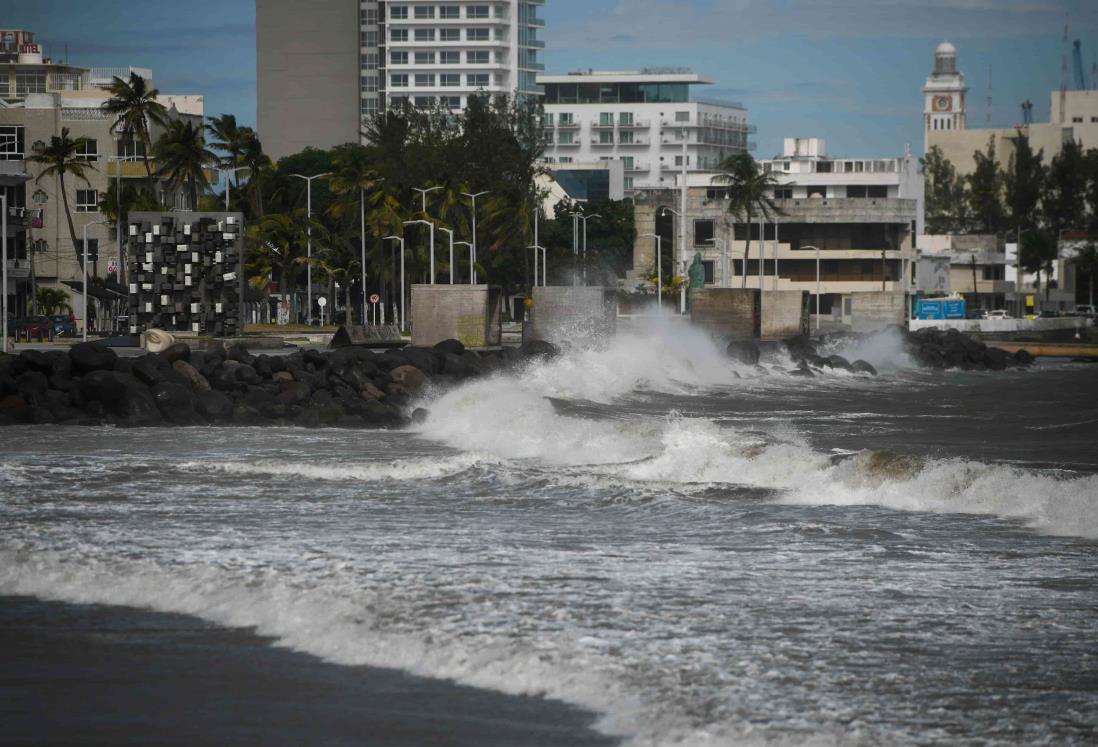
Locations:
column 451, row 233
column 401, row 240
column 679, row 260
column 432, row 226
column 84, row 302
column 231, row 170
column 309, row 228
column 659, row 267
column 423, row 195
column 809, row 246
column 471, row 259
column 473, row 196
column 118, row 206
column 537, row 249
column 4, row 260
column 585, row 218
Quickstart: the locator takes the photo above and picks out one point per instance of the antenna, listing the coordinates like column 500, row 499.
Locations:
column 1064, row 76
column 988, row 117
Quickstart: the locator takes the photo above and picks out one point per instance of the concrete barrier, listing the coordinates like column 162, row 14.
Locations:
column 875, row 310
column 784, row 314
column 994, row 327
column 727, row 312
column 470, row 313
column 570, row 315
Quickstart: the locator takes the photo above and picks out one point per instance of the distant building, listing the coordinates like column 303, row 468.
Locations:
column 580, row 182
column 38, row 98
column 945, row 113
column 325, row 66
column 646, row 119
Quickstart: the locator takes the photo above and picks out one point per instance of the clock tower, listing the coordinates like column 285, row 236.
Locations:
column 943, row 94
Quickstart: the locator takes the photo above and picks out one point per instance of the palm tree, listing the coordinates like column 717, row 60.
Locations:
column 134, row 106
column 62, row 157
column 258, row 164
column 184, row 158
column 749, row 193
column 231, row 139
column 277, row 243
column 352, row 177
column 51, row 300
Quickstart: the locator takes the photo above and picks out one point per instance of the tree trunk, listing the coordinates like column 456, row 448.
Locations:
column 68, row 216
column 746, row 252
column 192, row 188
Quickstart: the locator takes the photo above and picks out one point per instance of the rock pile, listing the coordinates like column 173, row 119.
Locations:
column 935, row 348
column 348, row 387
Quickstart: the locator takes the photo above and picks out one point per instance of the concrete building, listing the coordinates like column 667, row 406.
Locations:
column 980, row 269
column 1074, row 116
column 860, row 214
column 647, row 119
column 39, row 98
column 324, row 66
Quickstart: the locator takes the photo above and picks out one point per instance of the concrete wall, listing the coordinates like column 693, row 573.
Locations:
column 784, row 314
column 727, row 312
column 871, row 311
column 574, row 315
column 307, row 71
column 470, row 313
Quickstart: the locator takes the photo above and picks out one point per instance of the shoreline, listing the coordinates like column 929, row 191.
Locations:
column 96, row 674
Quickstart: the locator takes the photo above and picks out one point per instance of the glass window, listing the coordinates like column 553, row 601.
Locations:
column 703, row 233
column 451, row 102
column 449, row 80
column 369, row 16
column 449, row 58
column 627, row 162
column 783, row 193
column 626, row 137
column 369, row 38
column 566, row 118
column 547, row 119
column 398, row 11
column 425, row 80
column 369, row 83
column 425, row 11
column 606, row 119
column 627, row 182
column 565, row 159
column 567, row 138
column 478, row 80
column 369, row 107
column 449, row 11
column 476, row 11
column 476, row 34
column 88, row 151
column 397, row 102
column 398, row 58
column 707, row 266
column 625, row 118
column 425, row 58
column 424, row 102
column 29, row 83
column 369, row 61
column 547, row 137
column 398, row 80
column 12, row 142
column 477, row 58
column 425, row 35
column 682, row 116
column 606, row 137
column 449, row 35
column 87, row 201
column 398, row 35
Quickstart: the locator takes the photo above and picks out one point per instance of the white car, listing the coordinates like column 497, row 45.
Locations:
column 997, row 314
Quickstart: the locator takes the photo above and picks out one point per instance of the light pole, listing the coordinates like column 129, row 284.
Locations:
column 309, row 241
column 585, row 218
column 84, row 302
column 451, row 234
column 472, row 265
column 231, row 170
column 537, row 249
column 118, row 206
column 809, row 246
column 467, row 244
column 679, row 261
column 401, row 240
column 4, row 260
column 423, row 195
column 659, row 267
column 432, row 226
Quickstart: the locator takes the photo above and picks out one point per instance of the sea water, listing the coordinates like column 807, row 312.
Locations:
column 703, row 553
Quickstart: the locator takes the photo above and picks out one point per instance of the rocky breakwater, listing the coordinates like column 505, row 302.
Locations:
column 935, row 348
column 350, row 387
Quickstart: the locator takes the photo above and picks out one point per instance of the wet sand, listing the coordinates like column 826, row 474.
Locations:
column 101, row 675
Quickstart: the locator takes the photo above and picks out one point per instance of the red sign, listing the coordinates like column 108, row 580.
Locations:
column 374, row 298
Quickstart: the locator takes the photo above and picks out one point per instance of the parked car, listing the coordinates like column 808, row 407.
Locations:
column 1047, row 314
column 39, row 327
column 62, row 325
column 1083, row 309
column 997, row 314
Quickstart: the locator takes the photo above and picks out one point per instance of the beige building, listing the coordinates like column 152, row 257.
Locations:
column 1074, row 116
column 39, row 98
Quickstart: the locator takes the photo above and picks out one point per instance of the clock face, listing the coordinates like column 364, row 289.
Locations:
column 942, row 103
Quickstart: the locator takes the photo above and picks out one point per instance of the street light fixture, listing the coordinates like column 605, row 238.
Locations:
column 585, row 218
column 659, row 267
column 450, row 231
column 432, row 226
column 809, row 246
column 309, row 228
column 402, row 312
column 679, row 261
column 84, row 301
column 231, row 170
column 471, row 260
column 473, row 196
column 423, row 195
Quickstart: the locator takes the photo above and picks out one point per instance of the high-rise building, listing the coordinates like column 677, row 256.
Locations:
column 325, row 66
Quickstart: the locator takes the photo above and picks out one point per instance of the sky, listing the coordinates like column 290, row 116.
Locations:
column 849, row 71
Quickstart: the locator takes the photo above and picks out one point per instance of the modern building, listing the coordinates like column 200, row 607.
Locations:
column 853, row 219
column 1073, row 116
column 647, row 119
column 325, row 66
column 38, row 99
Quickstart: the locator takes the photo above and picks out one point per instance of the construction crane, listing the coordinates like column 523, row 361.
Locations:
column 1077, row 63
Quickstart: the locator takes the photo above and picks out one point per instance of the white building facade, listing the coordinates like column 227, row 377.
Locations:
column 646, row 119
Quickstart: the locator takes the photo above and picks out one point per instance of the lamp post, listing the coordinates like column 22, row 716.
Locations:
column 585, row 218
column 451, row 234
column 231, row 170
column 680, row 252
column 4, row 260
column 470, row 245
column 659, row 267
column 402, row 312
column 84, row 302
column 309, row 240
column 472, row 265
column 432, row 226
column 118, row 218
column 423, row 195
column 809, row 246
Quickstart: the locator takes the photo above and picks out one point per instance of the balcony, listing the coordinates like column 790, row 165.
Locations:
column 642, row 141
column 570, row 125
column 637, row 166
column 636, row 124
column 573, row 144
column 24, row 217
column 847, row 210
column 598, row 125
column 598, row 143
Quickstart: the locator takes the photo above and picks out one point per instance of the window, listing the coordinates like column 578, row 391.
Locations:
column 449, row 11
column 476, row 11
column 627, row 163
column 678, row 160
column 682, row 116
column 707, row 265
column 567, row 138
column 93, row 249
column 449, row 35
column 398, row 35
column 398, row 11
column 369, row 83
column 476, row 35
column 369, row 61
column 398, row 58
column 855, row 190
column 877, row 191
column 783, row 193
column 626, row 138
column 369, row 38
column 606, row 138
column 425, row 80
column 425, row 102
column 625, row 118
column 449, row 80
column 1094, row 119
column 12, row 142
column 425, row 11
column 478, row 80
column 449, row 58
column 1077, row 119
column 87, row 201
column 425, row 58
column 627, row 182
column 397, row 102
column 547, row 119
column 88, row 151
column 398, row 80
column 29, row 83
column 451, row 102
column 477, row 58
column 425, row 35
column 703, row 233
column 369, row 107
column 606, row 119
column 566, row 118
column 369, row 16
column 566, row 159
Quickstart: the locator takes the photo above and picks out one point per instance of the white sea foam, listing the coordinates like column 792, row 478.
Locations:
column 396, row 469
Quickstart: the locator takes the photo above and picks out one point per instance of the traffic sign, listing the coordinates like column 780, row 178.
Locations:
column 374, row 298
column 322, row 301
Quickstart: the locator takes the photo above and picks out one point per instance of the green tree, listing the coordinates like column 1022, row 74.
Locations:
column 135, row 106
column 52, row 300
column 1064, row 200
column 353, row 182
column 61, row 158
column 183, row 158
column 277, row 244
column 985, row 191
column 1038, row 252
column 1023, row 184
column 1090, row 165
column 1086, row 263
column 749, row 194
column 946, row 204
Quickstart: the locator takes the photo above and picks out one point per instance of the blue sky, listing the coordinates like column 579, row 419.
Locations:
column 845, row 70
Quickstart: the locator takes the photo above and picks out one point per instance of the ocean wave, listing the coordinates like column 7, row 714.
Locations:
column 396, row 469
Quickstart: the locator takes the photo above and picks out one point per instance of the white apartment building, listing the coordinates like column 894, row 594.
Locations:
column 647, row 119
column 326, row 66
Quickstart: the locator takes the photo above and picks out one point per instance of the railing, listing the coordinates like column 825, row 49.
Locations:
column 637, row 166
column 573, row 125
column 82, row 114
column 639, row 124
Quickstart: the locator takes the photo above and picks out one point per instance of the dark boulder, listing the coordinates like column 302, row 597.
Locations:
column 191, row 375
column 177, row 351
column 539, row 349
column 146, row 370
column 239, row 354
column 91, row 356
column 427, row 360
column 293, row 393
column 35, row 360
column 802, row 372
column 246, row 374
column 743, row 351
column 32, row 386
column 838, row 362
column 455, row 347
column 316, row 357
column 176, row 403
column 1022, row 357
column 860, row 366
column 121, row 396
column 215, row 406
